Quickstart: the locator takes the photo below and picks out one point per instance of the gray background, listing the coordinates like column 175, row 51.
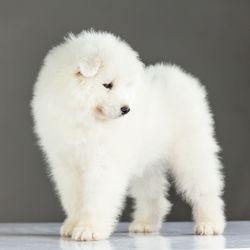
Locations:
column 211, row 39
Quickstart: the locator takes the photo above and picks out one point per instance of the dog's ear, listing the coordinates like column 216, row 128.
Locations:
column 89, row 66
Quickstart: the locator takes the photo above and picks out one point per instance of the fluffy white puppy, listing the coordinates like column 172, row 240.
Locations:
column 108, row 125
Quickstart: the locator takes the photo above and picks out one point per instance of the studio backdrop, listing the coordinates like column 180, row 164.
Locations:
column 211, row 39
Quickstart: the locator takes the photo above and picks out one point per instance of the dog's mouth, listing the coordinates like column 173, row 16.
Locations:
column 101, row 114
column 99, row 110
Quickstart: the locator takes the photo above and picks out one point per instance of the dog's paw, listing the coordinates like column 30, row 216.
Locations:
column 208, row 228
column 143, row 227
column 67, row 227
column 89, row 233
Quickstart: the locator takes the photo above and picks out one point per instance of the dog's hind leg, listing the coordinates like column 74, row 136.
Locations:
column 151, row 206
column 196, row 170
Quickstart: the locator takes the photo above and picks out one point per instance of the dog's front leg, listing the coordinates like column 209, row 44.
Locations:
column 103, row 190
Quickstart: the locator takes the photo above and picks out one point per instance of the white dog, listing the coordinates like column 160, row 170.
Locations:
column 108, row 125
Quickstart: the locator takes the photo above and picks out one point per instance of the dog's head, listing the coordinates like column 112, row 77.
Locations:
column 98, row 72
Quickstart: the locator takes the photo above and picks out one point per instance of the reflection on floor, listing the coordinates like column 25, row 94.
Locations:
column 174, row 235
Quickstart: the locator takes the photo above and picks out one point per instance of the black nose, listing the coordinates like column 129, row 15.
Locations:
column 125, row 110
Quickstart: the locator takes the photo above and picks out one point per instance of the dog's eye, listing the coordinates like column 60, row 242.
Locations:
column 108, row 85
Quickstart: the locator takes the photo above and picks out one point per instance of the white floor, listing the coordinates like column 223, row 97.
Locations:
column 174, row 235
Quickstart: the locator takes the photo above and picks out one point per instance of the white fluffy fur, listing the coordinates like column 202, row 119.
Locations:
column 96, row 156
